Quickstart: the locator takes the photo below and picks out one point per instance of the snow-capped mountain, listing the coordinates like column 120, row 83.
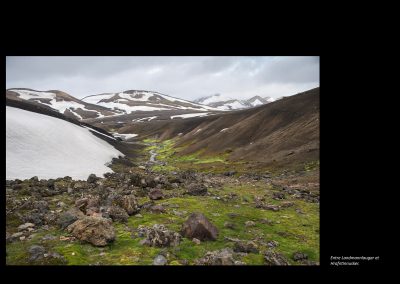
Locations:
column 226, row 103
column 60, row 102
column 49, row 147
column 137, row 100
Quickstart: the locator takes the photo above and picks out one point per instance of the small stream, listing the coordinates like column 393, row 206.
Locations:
column 153, row 155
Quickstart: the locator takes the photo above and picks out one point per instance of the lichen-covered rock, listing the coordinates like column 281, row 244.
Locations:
column 159, row 236
column 219, row 257
column 130, row 204
column 273, row 258
column 199, row 227
column 118, row 214
column 97, row 231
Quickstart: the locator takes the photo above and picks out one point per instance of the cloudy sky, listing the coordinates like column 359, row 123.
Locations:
column 184, row 77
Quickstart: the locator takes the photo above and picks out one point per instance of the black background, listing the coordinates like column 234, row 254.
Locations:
column 352, row 182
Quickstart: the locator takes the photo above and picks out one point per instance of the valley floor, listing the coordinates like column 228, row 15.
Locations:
column 262, row 218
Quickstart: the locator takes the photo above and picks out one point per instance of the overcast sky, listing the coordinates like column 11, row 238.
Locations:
column 184, row 77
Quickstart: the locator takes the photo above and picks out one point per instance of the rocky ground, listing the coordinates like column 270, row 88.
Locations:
column 140, row 215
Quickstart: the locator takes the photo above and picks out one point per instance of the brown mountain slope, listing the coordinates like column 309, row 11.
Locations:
column 284, row 131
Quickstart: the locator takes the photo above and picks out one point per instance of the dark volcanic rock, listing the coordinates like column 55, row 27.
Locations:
column 197, row 226
column 97, row 231
column 69, row 217
column 157, row 209
column 155, row 194
column 246, row 247
column 299, row 256
column 278, row 195
column 118, row 214
column 42, row 206
column 92, row 178
column 196, row 189
column 36, row 252
column 130, row 204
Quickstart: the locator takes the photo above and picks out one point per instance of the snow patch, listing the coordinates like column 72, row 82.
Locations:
column 48, row 147
column 125, row 136
column 188, row 115
column 225, row 129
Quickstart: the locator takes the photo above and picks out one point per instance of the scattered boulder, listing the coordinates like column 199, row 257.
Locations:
column 298, row 256
column 230, row 173
column 36, row 252
column 219, row 257
column 25, row 226
column 157, row 209
column 69, row 217
column 196, row 189
column 196, row 241
column 160, row 260
column 272, row 244
column 97, row 231
column 273, row 258
column 229, row 225
column 130, row 204
column 82, row 203
column 155, row 194
column 42, row 206
column 34, row 217
column 159, row 236
column 278, row 195
column 250, row 224
column 118, row 214
column 199, row 227
column 92, row 178
column 246, row 247
column 48, row 238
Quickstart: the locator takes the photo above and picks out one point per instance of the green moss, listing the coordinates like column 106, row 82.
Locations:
column 294, row 232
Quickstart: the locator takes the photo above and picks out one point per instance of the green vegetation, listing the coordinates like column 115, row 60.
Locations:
column 293, row 231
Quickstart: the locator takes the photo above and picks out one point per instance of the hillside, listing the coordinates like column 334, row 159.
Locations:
column 283, row 132
column 60, row 102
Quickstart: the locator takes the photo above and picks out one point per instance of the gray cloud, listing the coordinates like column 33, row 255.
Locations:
column 185, row 77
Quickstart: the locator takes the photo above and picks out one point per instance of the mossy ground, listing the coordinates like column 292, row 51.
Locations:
column 294, row 231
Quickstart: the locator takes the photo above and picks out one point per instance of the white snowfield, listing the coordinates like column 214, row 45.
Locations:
column 59, row 106
column 188, row 115
column 48, row 147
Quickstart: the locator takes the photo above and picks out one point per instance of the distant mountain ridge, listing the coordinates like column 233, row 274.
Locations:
column 141, row 100
column 225, row 103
